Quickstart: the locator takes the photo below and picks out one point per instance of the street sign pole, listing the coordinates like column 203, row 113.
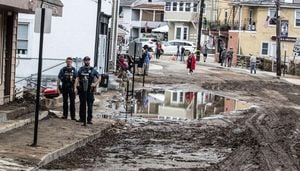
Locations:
column 38, row 90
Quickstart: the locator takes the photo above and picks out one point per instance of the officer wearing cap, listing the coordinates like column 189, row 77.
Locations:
column 86, row 75
column 67, row 77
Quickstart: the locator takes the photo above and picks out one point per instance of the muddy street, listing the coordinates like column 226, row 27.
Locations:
column 264, row 137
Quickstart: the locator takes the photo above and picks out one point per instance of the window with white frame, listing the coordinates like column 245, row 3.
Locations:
column 174, row 97
column 178, row 33
column 181, row 97
column 297, row 18
column 195, row 8
column 168, row 6
column 181, row 6
column 265, row 48
column 177, row 97
column 185, row 33
column 272, row 16
column 22, row 39
column 188, row 7
column 174, row 6
column 182, row 33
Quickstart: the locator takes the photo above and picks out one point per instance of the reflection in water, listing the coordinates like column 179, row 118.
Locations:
column 177, row 104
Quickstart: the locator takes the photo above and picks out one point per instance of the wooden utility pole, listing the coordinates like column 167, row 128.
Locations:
column 98, row 27
column 200, row 29
column 278, row 38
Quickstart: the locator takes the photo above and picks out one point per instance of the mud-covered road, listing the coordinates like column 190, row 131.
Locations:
column 265, row 137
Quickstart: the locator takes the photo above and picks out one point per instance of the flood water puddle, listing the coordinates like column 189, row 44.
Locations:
column 172, row 104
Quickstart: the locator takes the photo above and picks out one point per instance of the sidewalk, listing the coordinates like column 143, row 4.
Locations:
column 289, row 78
column 56, row 137
column 210, row 63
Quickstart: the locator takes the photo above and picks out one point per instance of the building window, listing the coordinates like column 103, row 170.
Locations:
column 159, row 16
column 226, row 16
column 174, row 6
column 265, row 48
column 195, row 8
column 168, row 6
column 181, row 6
column 177, row 97
column 178, row 33
column 147, row 15
column 22, row 42
column 135, row 16
column 181, row 97
column 297, row 18
column 174, row 97
column 185, row 33
column 182, row 33
column 272, row 16
column 188, row 7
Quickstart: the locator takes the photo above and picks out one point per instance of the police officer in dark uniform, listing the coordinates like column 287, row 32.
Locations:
column 86, row 82
column 67, row 76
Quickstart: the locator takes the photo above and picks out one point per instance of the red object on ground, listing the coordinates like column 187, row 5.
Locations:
column 50, row 93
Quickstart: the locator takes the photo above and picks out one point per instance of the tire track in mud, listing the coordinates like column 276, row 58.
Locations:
column 270, row 153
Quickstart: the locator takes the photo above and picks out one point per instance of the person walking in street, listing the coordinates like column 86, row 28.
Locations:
column 86, row 82
column 252, row 64
column 158, row 50
column 182, row 54
column 223, row 57
column 141, row 62
column 147, row 57
column 178, row 52
column 205, row 51
column 191, row 63
column 229, row 57
column 67, row 76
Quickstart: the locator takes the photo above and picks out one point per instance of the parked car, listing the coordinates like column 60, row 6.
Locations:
column 151, row 42
column 170, row 47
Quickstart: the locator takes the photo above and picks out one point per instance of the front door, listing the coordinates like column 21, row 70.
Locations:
column 8, row 53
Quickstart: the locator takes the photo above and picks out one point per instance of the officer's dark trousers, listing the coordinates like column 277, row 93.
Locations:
column 89, row 103
column 68, row 93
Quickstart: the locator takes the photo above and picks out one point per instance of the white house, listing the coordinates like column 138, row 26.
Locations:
column 141, row 16
column 72, row 35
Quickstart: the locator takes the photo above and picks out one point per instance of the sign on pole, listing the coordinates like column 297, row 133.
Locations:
column 135, row 49
column 37, row 22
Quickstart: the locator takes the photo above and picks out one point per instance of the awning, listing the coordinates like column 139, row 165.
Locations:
column 29, row 6
column 122, row 32
column 163, row 29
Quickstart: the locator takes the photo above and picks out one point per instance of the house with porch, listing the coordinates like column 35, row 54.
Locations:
column 9, row 10
column 140, row 17
column 255, row 30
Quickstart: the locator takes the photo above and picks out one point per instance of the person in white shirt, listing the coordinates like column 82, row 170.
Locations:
column 252, row 64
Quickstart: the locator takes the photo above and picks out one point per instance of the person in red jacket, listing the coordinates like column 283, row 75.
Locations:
column 191, row 63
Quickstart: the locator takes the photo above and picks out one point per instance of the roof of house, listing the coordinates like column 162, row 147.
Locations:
column 126, row 2
column 151, row 6
column 264, row 3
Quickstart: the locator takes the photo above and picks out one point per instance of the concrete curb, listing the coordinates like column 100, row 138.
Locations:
column 21, row 123
column 68, row 149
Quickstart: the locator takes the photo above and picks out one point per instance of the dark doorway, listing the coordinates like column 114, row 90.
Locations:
column 8, row 52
